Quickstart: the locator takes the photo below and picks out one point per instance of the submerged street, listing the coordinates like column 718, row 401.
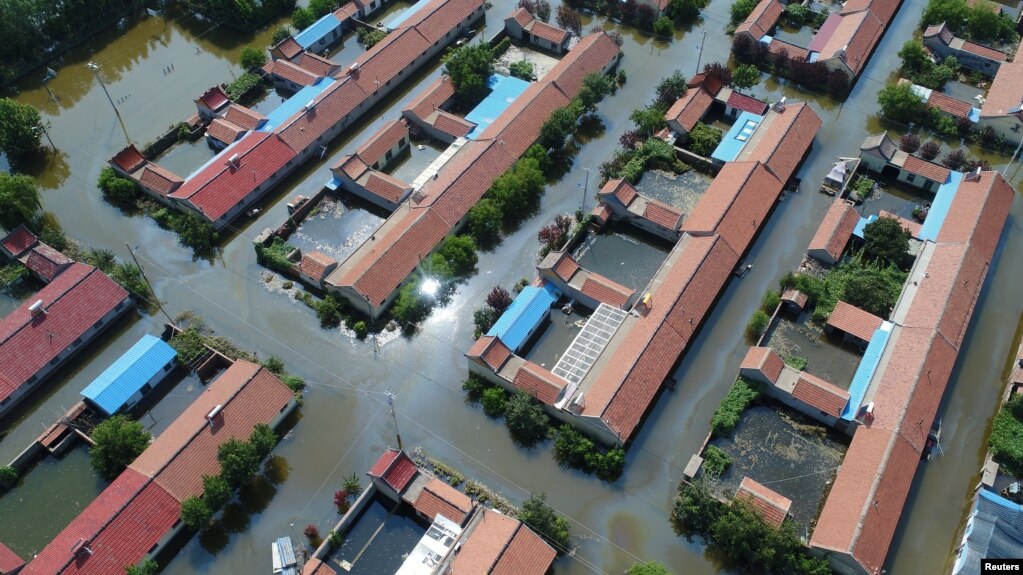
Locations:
column 344, row 423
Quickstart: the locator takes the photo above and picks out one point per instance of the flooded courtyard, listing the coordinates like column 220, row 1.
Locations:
column 827, row 356
column 682, row 191
column 337, row 226
column 622, row 253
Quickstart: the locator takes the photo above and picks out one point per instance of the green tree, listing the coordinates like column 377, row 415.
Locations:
column 885, row 241
column 469, row 68
column 196, row 514
column 664, row 27
column 745, row 76
column 370, row 37
column 215, row 492
column 239, row 461
column 473, row 386
column 274, row 365
column 521, row 69
column 596, row 87
column 148, row 567
column 683, row 11
column 20, row 130
column 542, row 518
column 411, row 307
column 648, row 568
column 302, row 18
column 252, row 58
column 329, row 311
column 572, row 448
column 117, row 442
column 914, row 56
column 648, row 120
column 8, row 477
column 459, row 253
column 703, row 139
column 526, row 419
column 19, row 201
column 954, row 13
column 321, row 7
column 119, row 191
column 195, row 232
column 263, row 439
column 494, row 401
column 671, row 88
column 485, row 223
column 872, row 291
column 281, row 34
column 559, row 126
column 900, row 103
column 741, row 9
column 1006, row 439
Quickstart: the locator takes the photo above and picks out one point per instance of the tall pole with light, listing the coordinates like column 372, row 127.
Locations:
column 95, row 68
column 394, row 418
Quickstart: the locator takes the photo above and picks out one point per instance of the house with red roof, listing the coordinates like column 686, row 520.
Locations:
column 522, row 26
column 138, row 514
column 315, row 266
column 880, row 154
column 641, row 211
column 361, row 173
column 429, row 111
column 211, row 102
column 833, row 233
column 156, row 181
column 1001, row 109
column 10, row 563
column 49, row 328
column 942, row 43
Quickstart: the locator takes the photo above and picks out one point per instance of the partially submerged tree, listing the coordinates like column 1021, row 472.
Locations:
column 469, row 68
column 117, row 442
column 19, row 201
column 21, row 129
column 542, row 518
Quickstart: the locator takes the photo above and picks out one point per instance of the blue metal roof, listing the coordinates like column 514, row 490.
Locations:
column 865, row 371
column 129, row 373
column 737, row 137
column 317, row 30
column 940, row 207
column 994, row 530
column 411, row 10
column 295, row 103
column 974, row 115
column 504, row 91
column 525, row 313
column 862, row 224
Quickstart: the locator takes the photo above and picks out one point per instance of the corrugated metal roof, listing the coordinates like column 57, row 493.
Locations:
column 526, row 312
column 737, row 137
column 295, row 103
column 865, row 371
column 317, row 30
column 129, row 373
column 940, row 207
column 504, row 91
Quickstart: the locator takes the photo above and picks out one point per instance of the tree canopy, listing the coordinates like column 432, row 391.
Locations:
column 215, row 492
column 648, row 568
column 745, row 76
column 900, row 103
column 239, row 461
column 885, row 241
column 118, row 441
column 195, row 513
column 19, row 201
column 252, row 58
column 526, row 420
column 542, row 518
column 469, row 68
column 20, row 130
column 671, row 88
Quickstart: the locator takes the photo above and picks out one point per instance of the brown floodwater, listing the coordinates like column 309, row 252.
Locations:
column 155, row 67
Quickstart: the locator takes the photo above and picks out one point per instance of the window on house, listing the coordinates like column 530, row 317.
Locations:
column 388, row 155
column 910, row 178
column 55, row 360
column 146, row 389
column 401, row 142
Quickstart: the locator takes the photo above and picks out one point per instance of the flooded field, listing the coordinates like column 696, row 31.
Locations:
column 682, row 191
column 337, row 227
column 827, row 356
column 623, row 254
column 787, row 453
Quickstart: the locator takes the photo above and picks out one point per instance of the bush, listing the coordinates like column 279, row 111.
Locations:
column 484, row 318
column 275, row 256
column 194, row 232
column 796, row 362
column 769, row 302
column 369, row 37
column 930, row 150
column 312, row 533
column 649, row 120
column 664, row 27
column 215, row 492
column 703, row 139
column 494, row 401
column 8, row 477
column 955, row 159
column 263, row 440
column 739, row 397
column 360, row 329
column 120, row 192
column 741, row 9
column 521, row 69
column 715, row 461
column 274, row 365
column 1006, row 439
column 526, row 419
column 148, row 567
column 245, row 83
column 195, row 513
column 649, row 568
column 117, row 442
column 757, row 325
column 252, row 58
column 281, row 34
column 909, row 143
column 499, row 299
column 542, row 518
column 473, row 386
column 329, row 311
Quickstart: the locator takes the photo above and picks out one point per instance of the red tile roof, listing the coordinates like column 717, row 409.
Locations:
column 435, row 20
column 289, row 47
column 179, row 459
column 18, row 241
column 374, row 148
column 747, row 103
column 711, row 84
column 245, row 118
column 352, row 166
column 1006, row 92
column 129, row 159
column 46, row 262
column 403, row 253
column 593, row 53
column 387, row 187
column 526, row 554
column 736, row 204
column 452, row 125
column 9, row 560
column 765, row 360
column 400, row 473
column 909, row 225
column 346, row 12
column 761, row 20
column 381, row 63
column 795, row 296
column 215, row 98
column 984, row 51
column 433, row 97
column 550, row 33
column 74, row 301
column 491, row 350
column 87, row 524
column 783, row 139
column 662, row 214
column 604, row 290
column 224, row 131
column 522, row 17
column 835, row 230
column 792, row 51
column 383, row 463
column 221, row 186
column 159, row 179
column 854, row 321
column 620, row 189
column 951, row 106
column 440, row 498
column 566, row 266
column 538, row 382
column 688, row 110
column 820, row 394
column 291, row 72
column 317, row 265
column 771, row 506
column 853, row 40
column 331, row 107
column 316, row 64
column 826, row 30
column 923, row 168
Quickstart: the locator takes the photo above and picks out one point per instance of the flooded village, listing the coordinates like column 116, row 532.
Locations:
column 360, row 310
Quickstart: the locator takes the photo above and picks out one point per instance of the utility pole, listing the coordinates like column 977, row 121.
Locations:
column 95, row 68
column 42, row 127
column 586, row 186
column 1013, row 158
column 143, row 272
column 50, row 74
column 394, row 418
column 700, row 55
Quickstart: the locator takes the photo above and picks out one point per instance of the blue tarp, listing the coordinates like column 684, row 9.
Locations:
column 737, row 137
column 865, row 371
column 525, row 313
column 939, row 207
column 126, row 376
column 410, row 11
column 295, row 103
column 318, row 30
column 504, row 91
